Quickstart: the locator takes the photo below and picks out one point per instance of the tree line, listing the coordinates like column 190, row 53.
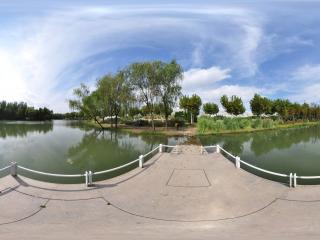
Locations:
column 259, row 105
column 21, row 111
column 153, row 88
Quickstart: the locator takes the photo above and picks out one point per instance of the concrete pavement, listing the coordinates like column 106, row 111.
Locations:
column 175, row 196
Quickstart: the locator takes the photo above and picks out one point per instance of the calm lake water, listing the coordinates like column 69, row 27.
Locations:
column 70, row 147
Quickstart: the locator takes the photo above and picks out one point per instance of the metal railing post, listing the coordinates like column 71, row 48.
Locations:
column 141, row 161
column 14, row 169
column 160, row 148
column 290, row 180
column 86, row 177
column 237, row 162
column 90, row 179
column 294, row 180
column 218, row 149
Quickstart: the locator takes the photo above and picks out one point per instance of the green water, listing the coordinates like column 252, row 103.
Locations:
column 69, row 147
column 295, row 150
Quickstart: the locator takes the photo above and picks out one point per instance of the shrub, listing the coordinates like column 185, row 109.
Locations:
column 268, row 123
column 244, row 123
column 231, row 123
column 256, row 123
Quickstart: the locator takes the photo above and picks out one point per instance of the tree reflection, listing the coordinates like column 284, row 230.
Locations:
column 264, row 142
column 18, row 129
column 107, row 149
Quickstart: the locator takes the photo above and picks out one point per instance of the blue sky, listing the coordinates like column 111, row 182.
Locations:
column 225, row 47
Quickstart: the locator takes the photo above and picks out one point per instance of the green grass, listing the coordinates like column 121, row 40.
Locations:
column 209, row 125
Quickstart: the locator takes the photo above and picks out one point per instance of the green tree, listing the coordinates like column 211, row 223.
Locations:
column 88, row 104
column 144, row 78
column 260, row 105
column 210, row 108
column 233, row 106
column 191, row 105
column 114, row 93
column 170, row 77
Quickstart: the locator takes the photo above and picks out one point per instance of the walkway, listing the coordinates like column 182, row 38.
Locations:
column 181, row 195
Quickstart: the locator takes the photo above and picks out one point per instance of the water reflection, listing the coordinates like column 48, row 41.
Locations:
column 264, row 142
column 21, row 129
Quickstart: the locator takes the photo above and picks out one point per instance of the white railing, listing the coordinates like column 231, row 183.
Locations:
column 292, row 176
column 5, row 168
column 88, row 174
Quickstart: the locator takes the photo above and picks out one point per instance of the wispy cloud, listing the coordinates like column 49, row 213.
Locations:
column 223, row 48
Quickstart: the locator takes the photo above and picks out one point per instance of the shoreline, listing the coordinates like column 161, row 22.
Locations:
column 191, row 131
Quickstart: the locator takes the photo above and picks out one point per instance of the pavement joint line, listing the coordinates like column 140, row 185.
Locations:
column 41, row 207
column 191, row 221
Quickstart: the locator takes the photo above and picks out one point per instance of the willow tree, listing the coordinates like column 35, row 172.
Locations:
column 115, row 92
column 144, row 78
column 169, row 86
column 87, row 103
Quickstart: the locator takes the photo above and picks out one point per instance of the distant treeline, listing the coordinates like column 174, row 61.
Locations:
column 21, row 111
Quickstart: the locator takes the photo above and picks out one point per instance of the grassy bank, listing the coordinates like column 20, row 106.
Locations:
column 207, row 125
column 170, row 131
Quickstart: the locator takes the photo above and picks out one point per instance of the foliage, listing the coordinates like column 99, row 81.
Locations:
column 260, row 105
column 234, row 105
column 169, row 88
column 21, row 111
column 191, row 105
column 216, row 124
column 114, row 94
column 210, row 108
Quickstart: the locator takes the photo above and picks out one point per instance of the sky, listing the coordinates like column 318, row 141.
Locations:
column 47, row 48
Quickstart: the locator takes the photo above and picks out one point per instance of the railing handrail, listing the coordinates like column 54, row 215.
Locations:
column 84, row 174
column 50, row 174
column 116, row 168
column 264, row 170
column 5, row 168
column 140, row 159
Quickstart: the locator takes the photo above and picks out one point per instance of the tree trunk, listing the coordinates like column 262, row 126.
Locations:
column 191, row 118
column 152, row 122
column 166, row 117
column 96, row 120
column 116, row 121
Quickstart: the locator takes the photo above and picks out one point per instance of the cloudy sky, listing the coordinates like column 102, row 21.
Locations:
column 238, row 47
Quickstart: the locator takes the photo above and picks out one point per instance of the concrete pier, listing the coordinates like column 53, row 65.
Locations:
column 178, row 195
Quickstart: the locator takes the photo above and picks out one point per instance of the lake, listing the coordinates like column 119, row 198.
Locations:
column 71, row 147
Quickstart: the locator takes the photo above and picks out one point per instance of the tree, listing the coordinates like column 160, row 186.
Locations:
column 233, row 106
column 88, row 104
column 281, row 107
column 169, row 86
column 191, row 105
column 260, row 105
column 114, row 92
column 210, row 108
column 144, row 78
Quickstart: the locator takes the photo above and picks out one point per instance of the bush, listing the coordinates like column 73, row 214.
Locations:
column 268, row 123
column 256, row 123
column 244, row 123
column 231, row 123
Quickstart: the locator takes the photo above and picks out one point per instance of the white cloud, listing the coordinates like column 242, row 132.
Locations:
column 307, row 73
column 309, row 94
column 34, row 64
column 199, row 78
